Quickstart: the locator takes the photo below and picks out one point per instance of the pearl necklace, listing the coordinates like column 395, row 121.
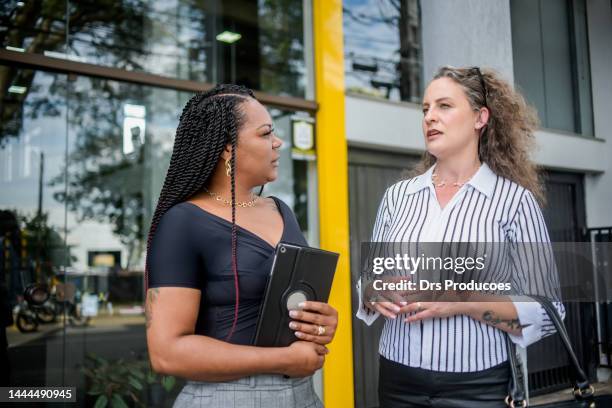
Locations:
column 243, row 204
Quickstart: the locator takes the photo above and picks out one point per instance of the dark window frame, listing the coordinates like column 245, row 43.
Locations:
column 37, row 61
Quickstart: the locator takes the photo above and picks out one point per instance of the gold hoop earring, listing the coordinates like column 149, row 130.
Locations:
column 228, row 168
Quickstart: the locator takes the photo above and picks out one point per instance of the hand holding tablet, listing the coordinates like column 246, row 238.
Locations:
column 315, row 321
column 299, row 275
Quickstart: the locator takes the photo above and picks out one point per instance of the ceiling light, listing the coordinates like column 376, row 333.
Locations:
column 228, row 37
column 17, row 89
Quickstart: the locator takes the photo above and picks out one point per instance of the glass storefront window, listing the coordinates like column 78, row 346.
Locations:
column 29, row 26
column 259, row 44
column 550, row 51
column 382, row 48
column 82, row 161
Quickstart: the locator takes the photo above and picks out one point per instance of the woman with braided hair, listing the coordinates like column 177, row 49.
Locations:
column 210, row 250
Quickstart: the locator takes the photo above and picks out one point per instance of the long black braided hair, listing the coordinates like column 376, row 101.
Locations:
column 210, row 120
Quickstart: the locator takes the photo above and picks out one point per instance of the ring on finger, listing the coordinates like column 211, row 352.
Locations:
column 320, row 330
column 419, row 307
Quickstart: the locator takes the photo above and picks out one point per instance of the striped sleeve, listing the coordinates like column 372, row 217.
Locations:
column 534, row 272
column 381, row 225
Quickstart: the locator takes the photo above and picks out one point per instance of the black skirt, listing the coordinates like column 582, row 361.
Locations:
column 403, row 386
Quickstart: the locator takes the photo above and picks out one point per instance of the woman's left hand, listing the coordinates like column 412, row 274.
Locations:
column 316, row 322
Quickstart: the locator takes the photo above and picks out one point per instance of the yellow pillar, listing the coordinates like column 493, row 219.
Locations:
column 333, row 192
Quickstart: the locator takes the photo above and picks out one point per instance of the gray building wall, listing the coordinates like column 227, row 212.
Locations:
column 598, row 188
column 465, row 33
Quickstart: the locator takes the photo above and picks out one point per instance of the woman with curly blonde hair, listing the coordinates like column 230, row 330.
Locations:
column 475, row 183
column 506, row 139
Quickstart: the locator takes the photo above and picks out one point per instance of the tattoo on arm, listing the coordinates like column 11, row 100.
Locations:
column 151, row 297
column 491, row 318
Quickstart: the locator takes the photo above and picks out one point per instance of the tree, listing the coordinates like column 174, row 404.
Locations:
column 39, row 26
column 375, row 61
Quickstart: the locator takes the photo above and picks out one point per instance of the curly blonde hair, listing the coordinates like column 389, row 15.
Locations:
column 508, row 138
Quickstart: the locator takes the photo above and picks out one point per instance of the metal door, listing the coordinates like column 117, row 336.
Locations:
column 565, row 217
column 370, row 173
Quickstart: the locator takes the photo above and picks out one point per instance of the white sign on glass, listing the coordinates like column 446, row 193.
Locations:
column 89, row 305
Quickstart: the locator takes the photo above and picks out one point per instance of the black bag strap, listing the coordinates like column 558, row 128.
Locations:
column 583, row 390
column 516, row 391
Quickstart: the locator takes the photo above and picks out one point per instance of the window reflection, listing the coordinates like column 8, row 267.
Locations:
column 259, row 44
column 82, row 161
column 32, row 151
column 382, row 48
column 27, row 26
column 551, row 64
column 116, row 130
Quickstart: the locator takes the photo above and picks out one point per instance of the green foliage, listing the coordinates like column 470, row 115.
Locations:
column 44, row 243
column 120, row 383
column 101, row 402
column 168, row 383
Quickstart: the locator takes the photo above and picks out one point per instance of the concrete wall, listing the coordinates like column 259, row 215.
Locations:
column 397, row 127
column 384, row 125
column 598, row 188
column 466, row 33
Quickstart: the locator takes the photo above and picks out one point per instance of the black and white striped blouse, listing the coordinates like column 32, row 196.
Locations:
column 488, row 208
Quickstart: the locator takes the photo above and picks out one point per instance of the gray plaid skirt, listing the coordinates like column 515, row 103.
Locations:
column 259, row 391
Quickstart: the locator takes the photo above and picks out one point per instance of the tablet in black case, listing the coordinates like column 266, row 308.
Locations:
column 298, row 274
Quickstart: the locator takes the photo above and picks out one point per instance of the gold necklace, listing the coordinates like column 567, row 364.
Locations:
column 443, row 183
column 243, row 204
